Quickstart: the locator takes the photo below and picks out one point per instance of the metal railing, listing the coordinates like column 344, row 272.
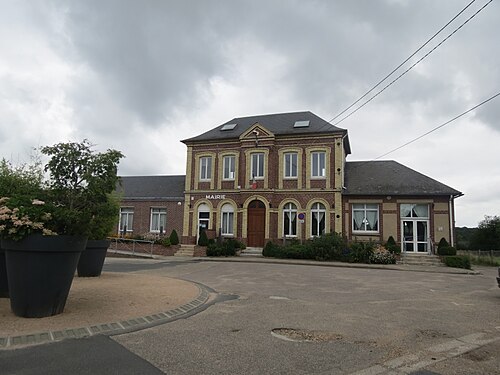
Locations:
column 131, row 245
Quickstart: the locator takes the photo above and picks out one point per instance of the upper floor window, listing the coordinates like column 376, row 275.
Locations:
column 318, row 212
column 290, row 165
column 318, row 161
column 158, row 220
column 205, row 168
column 126, row 219
column 290, row 220
column 365, row 217
column 228, row 164
column 258, row 165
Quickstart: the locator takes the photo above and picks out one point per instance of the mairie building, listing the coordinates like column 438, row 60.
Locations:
column 286, row 176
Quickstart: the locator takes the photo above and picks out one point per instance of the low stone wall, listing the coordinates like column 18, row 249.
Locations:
column 145, row 248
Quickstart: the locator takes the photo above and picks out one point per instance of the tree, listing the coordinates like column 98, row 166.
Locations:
column 487, row 236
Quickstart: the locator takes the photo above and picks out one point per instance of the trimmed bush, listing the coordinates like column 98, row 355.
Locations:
column 270, row 250
column 442, row 243
column 174, row 238
column 203, row 240
column 447, row 250
column 392, row 246
column 457, row 261
column 225, row 248
column 329, row 246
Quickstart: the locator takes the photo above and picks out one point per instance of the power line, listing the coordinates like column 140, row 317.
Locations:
column 412, row 66
column 439, row 127
column 404, row 62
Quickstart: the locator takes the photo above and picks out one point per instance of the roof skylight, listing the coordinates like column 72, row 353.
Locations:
column 301, row 124
column 228, row 127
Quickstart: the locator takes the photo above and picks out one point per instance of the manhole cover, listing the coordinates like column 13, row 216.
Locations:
column 304, row 335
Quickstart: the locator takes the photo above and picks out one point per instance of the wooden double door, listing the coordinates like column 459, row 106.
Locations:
column 256, row 231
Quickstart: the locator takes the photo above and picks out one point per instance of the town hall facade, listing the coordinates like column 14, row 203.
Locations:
column 285, row 176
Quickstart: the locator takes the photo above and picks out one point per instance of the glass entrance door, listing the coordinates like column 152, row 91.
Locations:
column 415, row 236
column 203, row 223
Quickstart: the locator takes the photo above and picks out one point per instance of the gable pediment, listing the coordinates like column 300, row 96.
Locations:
column 256, row 130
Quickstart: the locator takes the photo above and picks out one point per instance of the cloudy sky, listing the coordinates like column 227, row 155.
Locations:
column 139, row 76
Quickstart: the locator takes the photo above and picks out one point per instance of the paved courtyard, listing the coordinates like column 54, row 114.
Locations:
column 298, row 319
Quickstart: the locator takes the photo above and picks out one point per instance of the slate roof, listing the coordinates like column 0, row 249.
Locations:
column 279, row 124
column 390, row 178
column 152, row 187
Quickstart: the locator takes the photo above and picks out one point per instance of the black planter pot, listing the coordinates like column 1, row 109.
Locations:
column 4, row 284
column 40, row 271
column 92, row 259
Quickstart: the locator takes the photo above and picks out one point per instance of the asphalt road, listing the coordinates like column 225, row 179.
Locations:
column 326, row 320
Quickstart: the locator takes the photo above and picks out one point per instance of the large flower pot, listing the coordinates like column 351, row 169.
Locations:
column 92, row 259
column 4, row 284
column 40, row 271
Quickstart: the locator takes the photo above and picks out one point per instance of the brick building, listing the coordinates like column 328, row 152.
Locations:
column 284, row 176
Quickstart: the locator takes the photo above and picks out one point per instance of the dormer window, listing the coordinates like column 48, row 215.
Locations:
column 301, row 124
column 228, row 127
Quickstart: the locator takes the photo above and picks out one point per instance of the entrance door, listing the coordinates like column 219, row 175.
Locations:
column 256, row 224
column 415, row 236
column 203, row 220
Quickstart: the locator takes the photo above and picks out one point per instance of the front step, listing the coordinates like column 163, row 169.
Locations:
column 421, row 260
column 185, row 251
column 252, row 252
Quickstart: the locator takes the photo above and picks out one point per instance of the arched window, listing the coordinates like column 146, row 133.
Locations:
column 318, row 213
column 227, row 214
column 290, row 220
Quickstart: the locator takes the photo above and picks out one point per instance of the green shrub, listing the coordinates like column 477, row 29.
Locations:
column 442, row 243
column 174, row 238
column 392, row 246
column 457, row 261
column 447, row 250
column 203, row 240
column 329, row 246
column 270, row 249
column 165, row 241
column 360, row 252
column 224, row 248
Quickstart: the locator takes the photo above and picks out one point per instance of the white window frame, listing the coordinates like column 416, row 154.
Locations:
column 290, row 173
column 230, row 162
column 129, row 214
column 161, row 212
column 290, row 208
column 205, row 168
column 365, row 208
column 321, row 157
column 318, row 208
column 258, row 165
column 227, row 220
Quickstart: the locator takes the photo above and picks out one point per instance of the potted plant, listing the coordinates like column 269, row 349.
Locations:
column 45, row 230
column 26, row 179
column 103, row 221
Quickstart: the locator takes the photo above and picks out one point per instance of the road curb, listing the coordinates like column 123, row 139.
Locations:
column 201, row 302
column 405, row 268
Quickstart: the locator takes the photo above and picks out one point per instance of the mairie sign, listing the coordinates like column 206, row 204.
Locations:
column 215, row 196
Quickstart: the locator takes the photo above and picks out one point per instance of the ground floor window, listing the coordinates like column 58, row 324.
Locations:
column 290, row 220
column 126, row 219
column 318, row 212
column 365, row 217
column 227, row 222
column 158, row 220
